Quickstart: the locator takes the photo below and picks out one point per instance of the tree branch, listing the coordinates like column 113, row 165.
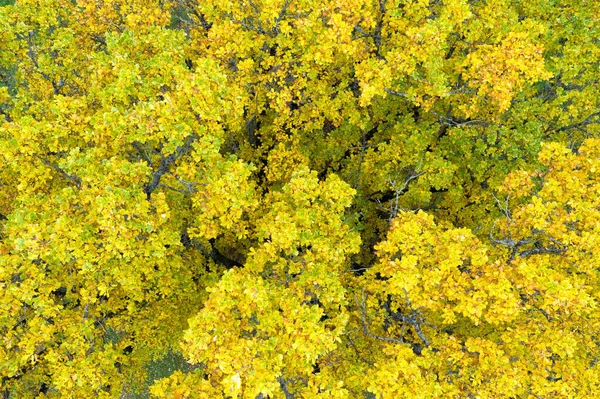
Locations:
column 543, row 250
column 587, row 121
column 396, row 93
column 410, row 320
column 283, row 384
column 397, row 191
column 165, row 165
column 414, row 319
column 73, row 178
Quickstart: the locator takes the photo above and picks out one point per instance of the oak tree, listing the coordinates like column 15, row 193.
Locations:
column 336, row 199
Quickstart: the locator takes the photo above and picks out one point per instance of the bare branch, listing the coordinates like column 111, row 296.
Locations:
column 172, row 188
column 365, row 323
column 363, row 146
column 283, row 384
column 85, row 312
column 142, row 151
column 190, row 186
column 510, row 243
column 514, row 245
column 281, row 15
column 453, row 122
column 543, row 250
column 504, row 208
column 396, row 93
column 586, row 122
column 414, row 319
column 357, row 352
column 400, row 190
column 6, row 115
column 542, row 311
column 71, row 177
column 165, row 165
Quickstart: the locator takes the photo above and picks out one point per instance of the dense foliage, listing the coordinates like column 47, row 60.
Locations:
column 303, row 199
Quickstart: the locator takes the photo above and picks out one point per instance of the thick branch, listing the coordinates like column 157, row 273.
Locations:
column 514, row 245
column 73, row 178
column 284, row 387
column 396, row 93
column 510, row 243
column 538, row 251
column 414, row 319
column 587, row 121
column 458, row 122
column 6, row 115
column 281, row 16
column 165, row 165
column 214, row 253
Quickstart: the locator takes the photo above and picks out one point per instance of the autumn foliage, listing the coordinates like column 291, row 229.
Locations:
column 302, row 199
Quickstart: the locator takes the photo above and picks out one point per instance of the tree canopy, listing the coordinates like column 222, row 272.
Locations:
column 303, row 199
